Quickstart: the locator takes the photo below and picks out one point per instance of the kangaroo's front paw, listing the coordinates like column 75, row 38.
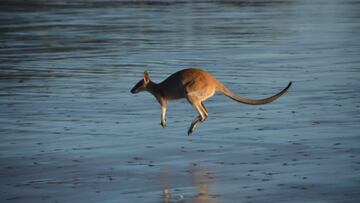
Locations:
column 163, row 124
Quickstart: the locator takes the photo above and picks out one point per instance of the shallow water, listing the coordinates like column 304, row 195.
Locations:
column 71, row 130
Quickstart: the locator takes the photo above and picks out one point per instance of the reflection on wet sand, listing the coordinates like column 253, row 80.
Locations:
column 165, row 188
column 200, row 179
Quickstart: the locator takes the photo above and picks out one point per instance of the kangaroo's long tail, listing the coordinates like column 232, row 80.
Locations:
column 237, row 98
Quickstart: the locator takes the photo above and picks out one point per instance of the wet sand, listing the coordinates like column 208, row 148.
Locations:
column 72, row 132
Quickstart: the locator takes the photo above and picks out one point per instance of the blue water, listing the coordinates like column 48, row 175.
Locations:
column 70, row 131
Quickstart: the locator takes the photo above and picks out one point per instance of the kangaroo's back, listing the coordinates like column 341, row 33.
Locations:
column 186, row 81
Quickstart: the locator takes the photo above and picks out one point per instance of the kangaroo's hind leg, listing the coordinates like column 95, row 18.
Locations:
column 196, row 93
column 204, row 110
column 200, row 118
column 194, row 124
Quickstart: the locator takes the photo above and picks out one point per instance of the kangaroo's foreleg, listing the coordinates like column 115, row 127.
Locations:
column 163, row 104
column 163, row 115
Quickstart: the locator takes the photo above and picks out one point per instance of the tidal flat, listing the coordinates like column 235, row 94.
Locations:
column 71, row 131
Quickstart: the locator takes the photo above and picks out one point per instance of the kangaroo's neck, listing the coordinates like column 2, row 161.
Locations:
column 154, row 89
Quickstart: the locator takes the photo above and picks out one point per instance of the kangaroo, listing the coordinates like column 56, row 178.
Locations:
column 196, row 86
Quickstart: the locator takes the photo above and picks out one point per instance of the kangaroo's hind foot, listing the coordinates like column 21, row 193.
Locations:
column 195, row 124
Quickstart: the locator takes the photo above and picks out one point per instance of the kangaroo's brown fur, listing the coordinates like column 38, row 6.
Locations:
column 196, row 86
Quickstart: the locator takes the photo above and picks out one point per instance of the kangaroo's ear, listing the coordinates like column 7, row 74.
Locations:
column 146, row 77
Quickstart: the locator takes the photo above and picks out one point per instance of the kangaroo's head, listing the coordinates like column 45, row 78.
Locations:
column 142, row 84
